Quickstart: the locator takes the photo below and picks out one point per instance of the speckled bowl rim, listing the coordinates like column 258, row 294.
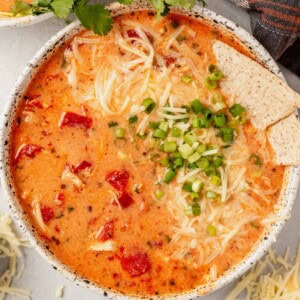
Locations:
column 288, row 193
column 15, row 22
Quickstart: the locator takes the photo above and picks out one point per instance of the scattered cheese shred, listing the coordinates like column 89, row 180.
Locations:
column 273, row 278
column 10, row 248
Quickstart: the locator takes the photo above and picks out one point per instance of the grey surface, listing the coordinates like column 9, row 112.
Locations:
column 17, row 46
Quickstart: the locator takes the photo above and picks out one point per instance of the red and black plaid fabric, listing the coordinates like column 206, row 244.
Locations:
column 276, row 24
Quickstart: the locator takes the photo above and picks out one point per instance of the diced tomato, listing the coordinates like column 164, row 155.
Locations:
column 82, row 166
column 135, row 264
column 59, row 199
column 169, row 60
column 72, row 119
column 47, row 214
column 28, row 150
column 132, row 33
column 118, row 179
column 106, row 232
column 57, row 229
column 45, row 238
column 125, row 199
column 33, row 101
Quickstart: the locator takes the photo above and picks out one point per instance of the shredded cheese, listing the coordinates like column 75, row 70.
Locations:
column 10, row 247
column 273, row 278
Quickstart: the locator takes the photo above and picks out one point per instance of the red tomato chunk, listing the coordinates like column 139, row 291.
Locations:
column 125, row 199
column 82, row 166
column 28, row 150
column 136, row 264
column 118, row 179
column 106, row 231
column 71, row 119
column 47, row 214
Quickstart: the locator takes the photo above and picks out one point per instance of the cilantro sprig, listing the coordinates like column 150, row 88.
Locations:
column 92, row 16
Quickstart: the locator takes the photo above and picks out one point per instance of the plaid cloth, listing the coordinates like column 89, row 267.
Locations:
column 276, row 24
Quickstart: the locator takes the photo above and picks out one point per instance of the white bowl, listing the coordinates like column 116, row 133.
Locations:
column 291, row 178
column 14, row 22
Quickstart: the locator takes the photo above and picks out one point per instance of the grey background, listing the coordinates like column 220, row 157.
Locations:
column 17, row 47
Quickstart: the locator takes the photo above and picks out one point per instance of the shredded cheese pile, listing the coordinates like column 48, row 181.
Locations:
column 10, row 248
column 273, row 278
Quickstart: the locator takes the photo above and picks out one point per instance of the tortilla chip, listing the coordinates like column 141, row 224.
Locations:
column 284, row 137
column 266, row 98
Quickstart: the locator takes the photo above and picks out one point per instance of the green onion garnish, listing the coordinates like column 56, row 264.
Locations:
column 194, row 157
column 197, row 106
column 201, row 148
column 211, row 68
column 160, row 134
column 164, row 126
column 194, row 196
column 197, row 186
column 190, row 138
column 187, row 186
column 212, row 231
column 216, row 74
column 255, row 158
column 196, row 123
column 132, row 119
column 120, row 133
column 159, row 194
column 208, row 114
column 210, row 83
column 192, row 210
column 178, row 163
column 215, row 180
column 169, row 176
column 170, row 146
column 226, row 134
column 186, row 79
column 211, row 195
column 203, row 163
column 164, row 161
column 186, row 150
column 176, row 132
column 149, row 105
column 220, row 120
column 236, row 110
column 204, row 123
column 153, row 125
column 218, row 161
column 210, row 170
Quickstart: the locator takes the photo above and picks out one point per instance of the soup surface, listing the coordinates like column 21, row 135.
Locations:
column 129, row 179
column 5, row 5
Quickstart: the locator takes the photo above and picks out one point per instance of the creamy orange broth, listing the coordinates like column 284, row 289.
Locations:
column 146, row 229
column 5, row 5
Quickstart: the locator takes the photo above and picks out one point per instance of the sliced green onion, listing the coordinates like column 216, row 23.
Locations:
column 203, row 163
column 201, row 148
column 169, row 176
column 210, row 170
column 255, row 158
column 216, row 74
column 194, row 157
column 210, row 83
column 164, row 126
column 194, row 196
column 149, row 105
column 153, row 125
column 190, row 138
column 192, row 166
column 142, row 137
column 160, row 134
column 178, row 163
column 242, row 119
column 211, row 195
column 196, row 123
column 164, row 161
column 226, row 134
column 186, row 107
column 160, row 147
column 159, row 194
column 212, row 231
column 197, row 106
column 192, row 210
column 186, row 79
column 208, row 114
column 120, row 133
column 132, row 119
column 176, row 132
column 218, row 161
column 176, row 155
column 215, row 180
column 186, row 150
column 170, row 146
column 187, row 186
column 204, row 123
column 220, row 120
column 197, row 186
column 211, row 68
column 236, row 109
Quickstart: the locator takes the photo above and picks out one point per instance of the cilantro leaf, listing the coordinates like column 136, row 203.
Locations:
column 43, row 3
column 126, row 2
column 159, row 6
column 94, row 17
column 62, row 8
column 21, row 8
